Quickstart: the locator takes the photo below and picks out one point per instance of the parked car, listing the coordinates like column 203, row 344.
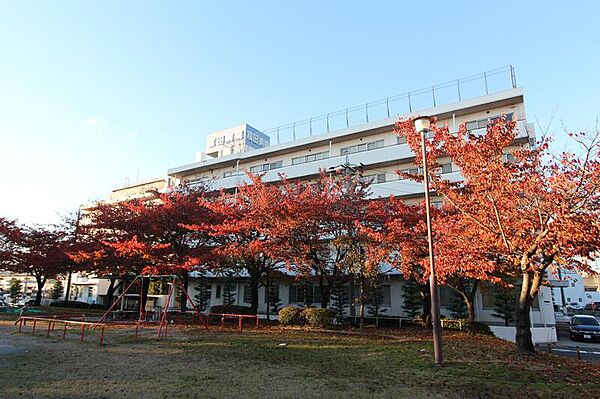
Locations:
column 584, row 327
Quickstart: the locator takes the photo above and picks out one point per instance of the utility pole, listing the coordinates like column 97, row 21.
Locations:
column 422, row 125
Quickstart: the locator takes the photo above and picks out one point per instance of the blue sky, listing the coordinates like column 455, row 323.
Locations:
column 93, row 92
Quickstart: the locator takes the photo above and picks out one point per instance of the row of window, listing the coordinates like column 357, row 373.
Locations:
column 310, row 294
column 373, row 145
column 484, row 122
column 310, row 158
column 266, row 167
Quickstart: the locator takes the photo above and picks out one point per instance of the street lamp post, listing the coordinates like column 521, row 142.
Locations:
column 422, row 125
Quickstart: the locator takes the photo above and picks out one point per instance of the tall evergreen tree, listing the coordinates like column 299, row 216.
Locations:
column 458, row 308
column 202, row 296
column 412, row 300
column 376, row 299
column 504, row 307
column 339, row 301
column 57, row 290
column 15, row 290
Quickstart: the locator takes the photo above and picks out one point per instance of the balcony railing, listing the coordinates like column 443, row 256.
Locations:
column 487, row 82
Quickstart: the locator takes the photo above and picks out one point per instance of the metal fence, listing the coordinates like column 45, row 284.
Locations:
column 480, row 84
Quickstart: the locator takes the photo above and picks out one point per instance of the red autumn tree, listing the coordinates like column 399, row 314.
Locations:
column 243, row 242
column 39, row 251
column 536, row 212
column 147, row 236
column 403, row 233
column 316, row 233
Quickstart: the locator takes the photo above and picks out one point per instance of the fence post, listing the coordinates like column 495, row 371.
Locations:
column 82, row 332
column 513, row 78
column 256, row 321
column 48, row 330
column 102, row 336
column 578, row 353
column 387, row 106
column 33, row 329
column 486, row 84
column 65, row 330
column 20, row 325
column 239, row 323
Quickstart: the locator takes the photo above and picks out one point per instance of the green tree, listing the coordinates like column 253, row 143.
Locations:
column 339, row 302
column 458, row 307
column 504, row 306
column 202, row 296
column 57, row 290
column 274, row 301
column 15, row 290
column 413, row 301
column 376, row 299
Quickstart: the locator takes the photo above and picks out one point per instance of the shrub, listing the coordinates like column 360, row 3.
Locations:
column 318, row 317
column 291, row 316
column 475, row 328
column 232, row 309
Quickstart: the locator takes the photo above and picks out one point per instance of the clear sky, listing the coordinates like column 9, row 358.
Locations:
column 94, row 92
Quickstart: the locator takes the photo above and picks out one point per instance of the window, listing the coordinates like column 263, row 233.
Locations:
column 483, row 123
column 274, row 293
column 310, row 158
column 488, row 296
column 401, row 139
column 218, row 291
column 446, row 168
column 508, row 158
column 412, row 171
column 307, row 294
column 375, row 179
column 227, row 174
column 247, row 293
column 361, row 147
column 384, row 295
column 446, row 297
column 266, row 167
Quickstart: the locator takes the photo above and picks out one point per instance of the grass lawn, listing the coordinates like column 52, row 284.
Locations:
column 194, row 363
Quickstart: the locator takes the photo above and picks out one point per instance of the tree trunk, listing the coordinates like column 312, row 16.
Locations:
column 470, row 312
column 362, row 304
column 523, row 323
column 185, row 281
column 110, row 293
column 325, row 293
column 426, row 297
column 40, row 286
column 68, row 290
column 254, row 292
column 145, row 281
column 268, row 295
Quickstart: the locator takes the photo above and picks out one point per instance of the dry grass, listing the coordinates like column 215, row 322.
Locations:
column 194, row 363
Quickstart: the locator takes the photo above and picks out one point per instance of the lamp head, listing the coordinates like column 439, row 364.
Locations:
column 422, row 123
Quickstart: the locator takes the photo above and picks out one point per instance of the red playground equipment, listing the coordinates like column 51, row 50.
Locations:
column 163, row 322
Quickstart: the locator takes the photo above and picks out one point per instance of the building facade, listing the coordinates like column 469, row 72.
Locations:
column 381, row 152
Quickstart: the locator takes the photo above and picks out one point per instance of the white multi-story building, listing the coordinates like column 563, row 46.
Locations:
column 371, row 143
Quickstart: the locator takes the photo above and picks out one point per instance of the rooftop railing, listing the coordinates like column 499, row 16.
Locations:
column 480, row 84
